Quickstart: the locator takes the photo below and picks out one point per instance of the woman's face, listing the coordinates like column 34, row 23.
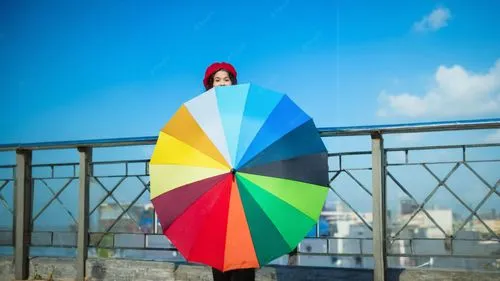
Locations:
column 221, row 78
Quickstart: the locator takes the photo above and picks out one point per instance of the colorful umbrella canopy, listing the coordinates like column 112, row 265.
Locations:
column 238, row 177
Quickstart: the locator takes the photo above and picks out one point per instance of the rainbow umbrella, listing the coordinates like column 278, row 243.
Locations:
column 238, row 177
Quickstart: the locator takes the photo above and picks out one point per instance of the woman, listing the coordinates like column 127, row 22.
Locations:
column 219, row 74
column 224, row 74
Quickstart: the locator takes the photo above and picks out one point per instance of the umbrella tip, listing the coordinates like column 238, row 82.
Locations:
column 233, row 171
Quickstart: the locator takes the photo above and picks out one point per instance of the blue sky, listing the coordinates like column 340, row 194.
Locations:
column 132, row 64
column 104, row 69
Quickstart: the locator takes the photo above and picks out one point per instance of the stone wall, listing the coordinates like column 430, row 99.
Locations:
column 125, row 270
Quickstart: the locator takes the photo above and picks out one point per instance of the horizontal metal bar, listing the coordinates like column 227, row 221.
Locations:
column 335, row 254
column 492, row 123
column 336, row 154
column 393, row 238
column 53, row 246
column 446, row 256
column 176, row 250
column 412, row 127
column 49, row 165
column 55, row 178
column 335, row 238
column 123, row 232
column 142, row 161
column 415, row 148
column 440, row 162
column 100, row 176
column 434, row 147
column 305, row 239
column 401, row 255
column 135, row 248
column 52, row 232
column 81, row 143
column 350, row 169
column 120, row 176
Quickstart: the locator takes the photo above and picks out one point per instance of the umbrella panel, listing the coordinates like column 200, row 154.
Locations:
column 302, row 196
column 285, row 117
column 255, row 115
column 185, row 128
column 199, row 233
column 172, row 204
column 307, row 168
column 240, row 251
column 303, row 140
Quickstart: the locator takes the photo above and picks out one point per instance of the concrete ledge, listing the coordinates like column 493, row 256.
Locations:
column 63, row 269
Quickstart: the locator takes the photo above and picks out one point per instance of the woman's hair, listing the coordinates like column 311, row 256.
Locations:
column 210, row 79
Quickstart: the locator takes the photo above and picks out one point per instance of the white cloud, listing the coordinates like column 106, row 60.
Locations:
column 494, row 137
column 455, row 92
column 436, row 20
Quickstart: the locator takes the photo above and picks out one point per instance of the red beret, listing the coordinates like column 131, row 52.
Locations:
column 213, row 68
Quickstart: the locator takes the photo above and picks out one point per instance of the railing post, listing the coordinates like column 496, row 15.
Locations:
column 23, row 209
column 83, row 211
column 379, row 208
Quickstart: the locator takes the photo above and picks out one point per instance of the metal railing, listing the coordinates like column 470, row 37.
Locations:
column 386, row 238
